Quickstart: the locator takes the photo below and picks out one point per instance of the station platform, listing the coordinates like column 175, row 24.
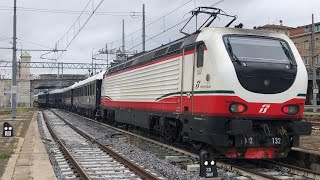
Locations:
column 29, row 158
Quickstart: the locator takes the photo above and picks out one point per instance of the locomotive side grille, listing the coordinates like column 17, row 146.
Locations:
column 147, row 83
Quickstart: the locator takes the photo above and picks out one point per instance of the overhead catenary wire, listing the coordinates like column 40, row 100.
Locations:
column 75, row 21
column 84, row 24
column 35, row 43
column 62, row 11
column 149, row 24
column 165, row 30
column 4, row 39
column 154, row 40
column 218, row 2
column 161, row 33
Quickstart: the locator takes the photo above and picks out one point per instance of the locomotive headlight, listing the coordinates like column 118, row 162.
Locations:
column 5, row 128
column 290, row 109
column 237, row 108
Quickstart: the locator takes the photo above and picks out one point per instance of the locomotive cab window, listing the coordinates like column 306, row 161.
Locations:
column 200, row 55
column 258, row 49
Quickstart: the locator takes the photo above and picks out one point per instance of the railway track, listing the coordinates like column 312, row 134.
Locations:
column 315, row 124
column 89, row 158
column 250, row 169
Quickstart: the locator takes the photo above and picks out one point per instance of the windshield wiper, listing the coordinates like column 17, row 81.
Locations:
column 234, row 57
column 287, row 52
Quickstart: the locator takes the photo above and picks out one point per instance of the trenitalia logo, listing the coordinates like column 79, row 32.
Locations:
column 264, row 108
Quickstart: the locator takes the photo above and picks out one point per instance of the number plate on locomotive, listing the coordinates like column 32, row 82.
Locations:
column 276, row 141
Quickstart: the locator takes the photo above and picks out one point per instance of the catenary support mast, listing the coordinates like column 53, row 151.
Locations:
column 143, row 29
column 14, row 62
column 314, row 74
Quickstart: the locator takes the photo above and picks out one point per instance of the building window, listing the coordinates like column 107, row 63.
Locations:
column 306, row 44
column 306, row 60
column 317, row 43
column 318, row 28
column 306, row 30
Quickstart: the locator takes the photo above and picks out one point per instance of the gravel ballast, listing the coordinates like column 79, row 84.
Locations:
column 143, row 157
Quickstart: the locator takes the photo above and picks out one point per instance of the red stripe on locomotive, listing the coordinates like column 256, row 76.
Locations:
column 210, row 105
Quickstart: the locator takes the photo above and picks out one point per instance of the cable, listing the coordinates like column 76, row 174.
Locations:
column 154, row 40
column 3, row 39
column 217, row 3
column 161, row 32
column 155, row 20
column 168, row 13
column 75, row 21
column 80, row 27
column 35, row 43
column 59, row 11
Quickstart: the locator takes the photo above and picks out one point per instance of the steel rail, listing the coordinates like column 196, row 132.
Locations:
column 131, row 165
column 220, row 164
column 253, row 174
column 296, row 170
column 80, row 171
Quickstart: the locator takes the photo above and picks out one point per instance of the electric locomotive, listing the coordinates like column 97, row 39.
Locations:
column 240, row 91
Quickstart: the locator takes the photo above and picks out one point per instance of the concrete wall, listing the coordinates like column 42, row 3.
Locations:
column 5, row 99
column 24, row 84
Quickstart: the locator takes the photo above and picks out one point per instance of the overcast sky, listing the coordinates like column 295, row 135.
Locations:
column 43, row 22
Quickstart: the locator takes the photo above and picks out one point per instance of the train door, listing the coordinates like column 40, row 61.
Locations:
column 198, row 74
column 188, row 62
column 98, row 92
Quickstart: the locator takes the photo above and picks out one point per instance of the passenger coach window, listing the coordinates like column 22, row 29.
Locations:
column 200, row 54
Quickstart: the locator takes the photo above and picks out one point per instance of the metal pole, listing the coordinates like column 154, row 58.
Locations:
column 62, row 69
column 58, row 75
column 107, row 52
column 123, row 38
column 14, row 62
column 92, row 63
column 314, row 80
column 143, row 29
column 20, row 60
